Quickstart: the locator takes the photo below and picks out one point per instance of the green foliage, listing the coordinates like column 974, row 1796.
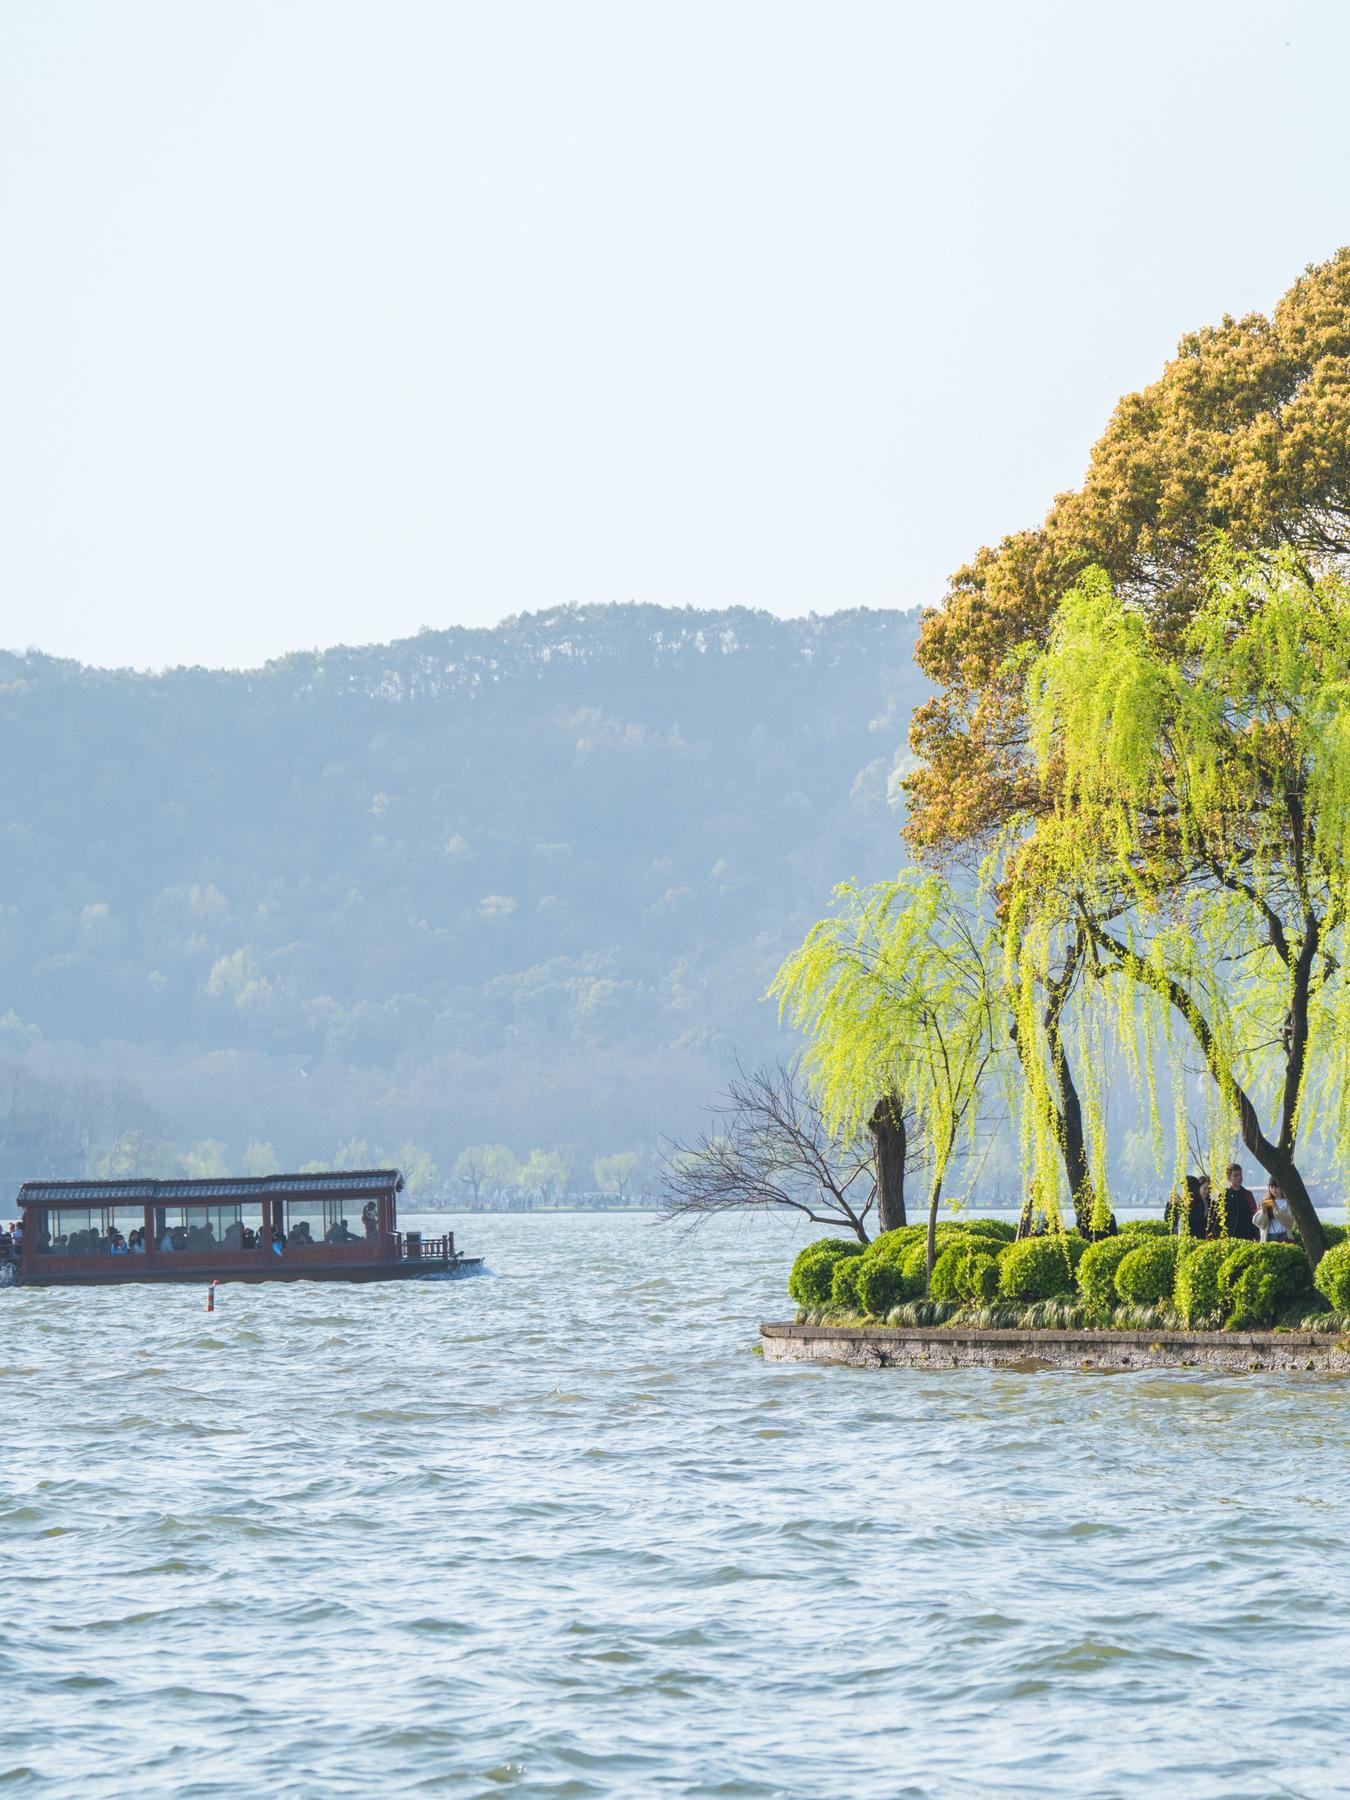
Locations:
column 812, row 1275
column 1196, row 1291
column 1231, row 1269
column 844, row 1284
column 899, row 994
column 993, row 1228
column 1268, row 1282
column 1146, row 1273
column 1145, row 1228
column 1097, row 1271
column 882, row 1285
column 952, row 1270
column 980, row 1278
column 1332, row 1276
column 1037, row 1268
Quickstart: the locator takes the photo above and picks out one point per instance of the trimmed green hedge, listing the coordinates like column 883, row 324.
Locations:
column 967, row 1272
column 1097, row 1271
column 1333, row 1276
column 844, row 1285
column 882, row 1285
column 812, row 1275
column 1145, row 1228
column 1037, row 1268
column 1146, row 1273
column 1274, row 1278
column 1196, row 1293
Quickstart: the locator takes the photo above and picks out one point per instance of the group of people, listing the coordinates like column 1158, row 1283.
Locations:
column 1236, row 1213
column 90, row 1241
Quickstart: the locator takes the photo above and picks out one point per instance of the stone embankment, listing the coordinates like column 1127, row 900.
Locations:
column 906, row 1347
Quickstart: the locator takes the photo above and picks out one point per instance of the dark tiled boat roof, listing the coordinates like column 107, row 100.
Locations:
column 234, row 1187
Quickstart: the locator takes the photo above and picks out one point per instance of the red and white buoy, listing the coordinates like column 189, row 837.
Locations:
column 211, row 1298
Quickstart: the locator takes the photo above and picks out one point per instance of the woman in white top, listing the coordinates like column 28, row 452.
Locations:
column 1273, row 1218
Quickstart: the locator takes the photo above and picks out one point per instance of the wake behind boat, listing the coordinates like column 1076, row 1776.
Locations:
column 339, row 1225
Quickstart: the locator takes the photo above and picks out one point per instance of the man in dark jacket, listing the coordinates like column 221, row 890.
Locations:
column 1239, row 1206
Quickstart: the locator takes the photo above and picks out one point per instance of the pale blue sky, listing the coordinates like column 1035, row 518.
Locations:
column 324, row 320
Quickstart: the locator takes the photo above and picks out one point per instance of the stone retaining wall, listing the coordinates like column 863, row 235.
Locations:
column 897, row 1346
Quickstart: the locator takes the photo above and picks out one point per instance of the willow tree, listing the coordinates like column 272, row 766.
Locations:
column 899, row 995
column 1196, row 830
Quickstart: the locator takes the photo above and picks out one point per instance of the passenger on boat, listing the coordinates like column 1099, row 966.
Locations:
column 278, row 1240
column 234, row 1235
column 370, row 1219
column 340, row 1233
column 136, row 1242
column 300, row 1234
column 166, row 1242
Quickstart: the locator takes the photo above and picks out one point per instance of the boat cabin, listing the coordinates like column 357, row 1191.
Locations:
column 339, row 1224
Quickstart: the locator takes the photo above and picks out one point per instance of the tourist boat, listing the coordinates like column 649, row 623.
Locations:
column 336, row 1226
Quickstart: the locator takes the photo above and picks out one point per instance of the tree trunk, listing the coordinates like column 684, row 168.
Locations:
column 887, row 1127
column 1074, row 1145
column 931, row 1253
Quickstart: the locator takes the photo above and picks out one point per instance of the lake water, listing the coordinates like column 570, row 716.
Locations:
column 558, row 1532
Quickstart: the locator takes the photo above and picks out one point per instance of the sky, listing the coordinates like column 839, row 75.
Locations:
column 324, row 321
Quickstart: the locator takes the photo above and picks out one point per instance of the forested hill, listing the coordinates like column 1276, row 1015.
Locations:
column 524, row 884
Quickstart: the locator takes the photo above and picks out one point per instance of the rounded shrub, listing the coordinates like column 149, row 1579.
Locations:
column 1147, row 1272
column 966, row 1272
column 1240, row 1253
column 1146, row 1228
column 1001, row 1229
column 1036, row 1268
column 812, row 1274
column 1097, row 1271
column 1334, row 1234
column 947, row 1273
column 1196, row 1293
column 1332, row 1278
column 981, row 1276
column 891, row 1246
column 844, row 1284
column 1274, row 1278
column 882, row 1285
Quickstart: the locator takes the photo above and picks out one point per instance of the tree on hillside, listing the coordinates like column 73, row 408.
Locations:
column 771, row 1151
column 1195, row 827
column 900, row 996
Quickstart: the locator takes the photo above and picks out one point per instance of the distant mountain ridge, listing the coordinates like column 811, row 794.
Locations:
column 525, row 883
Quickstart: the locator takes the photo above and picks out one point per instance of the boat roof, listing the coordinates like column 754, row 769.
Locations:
column 232, row 1187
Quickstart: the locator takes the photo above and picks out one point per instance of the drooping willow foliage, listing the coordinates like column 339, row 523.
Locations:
column 898, row 993
column 1179, row 903
column 1198, row 845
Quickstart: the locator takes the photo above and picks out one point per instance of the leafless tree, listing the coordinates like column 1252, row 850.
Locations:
column 771, row 1152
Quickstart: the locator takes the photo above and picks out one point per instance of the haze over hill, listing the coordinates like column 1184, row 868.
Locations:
column 522, row 885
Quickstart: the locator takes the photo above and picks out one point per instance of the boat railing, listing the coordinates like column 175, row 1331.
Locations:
column 413, row 1247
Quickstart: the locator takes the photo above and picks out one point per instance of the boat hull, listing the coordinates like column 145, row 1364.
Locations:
column 118, row 1275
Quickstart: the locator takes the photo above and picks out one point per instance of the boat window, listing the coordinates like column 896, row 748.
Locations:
column 86, row 1230
column 325, row 1221
column 204, row 1228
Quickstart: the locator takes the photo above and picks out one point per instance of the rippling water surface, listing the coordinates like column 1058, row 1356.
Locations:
column 558, row 1532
